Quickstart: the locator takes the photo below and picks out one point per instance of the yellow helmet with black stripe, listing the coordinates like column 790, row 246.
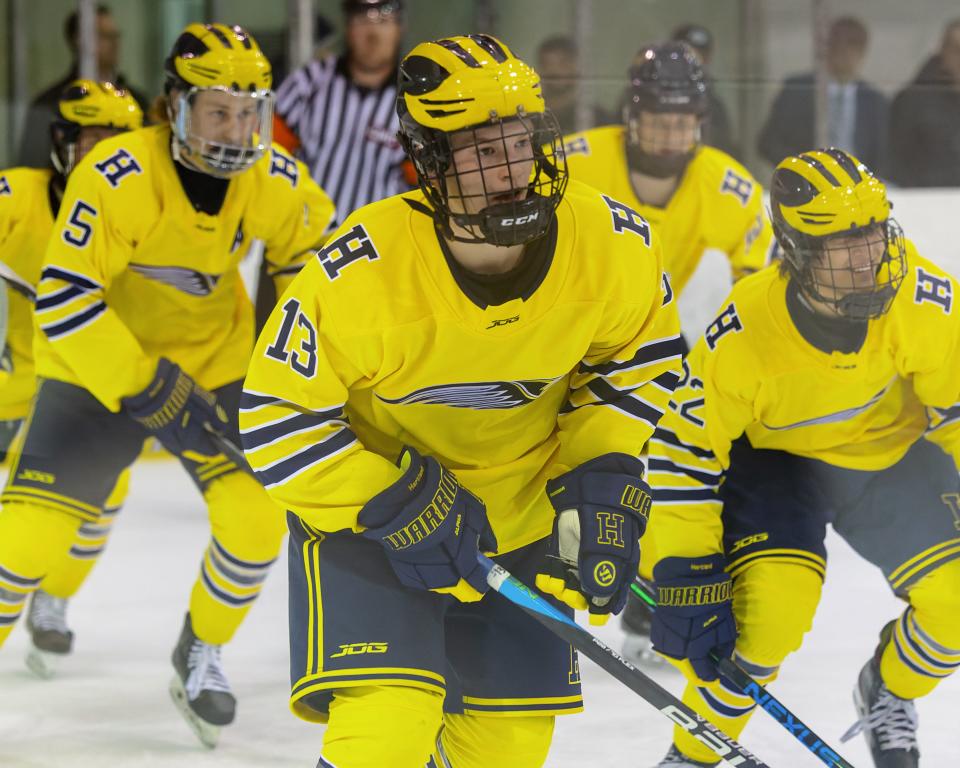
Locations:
column 227, row 61
column 218, row 56
column 475, row 88
column 832, row 219
column 89, row 104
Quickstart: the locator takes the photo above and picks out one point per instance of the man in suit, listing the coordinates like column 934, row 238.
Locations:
column 856, row 112
column 925, row 118
column 35, row 144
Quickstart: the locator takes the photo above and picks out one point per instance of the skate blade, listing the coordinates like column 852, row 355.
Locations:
column 44, row 664
column 208, row 734
column 638, row 651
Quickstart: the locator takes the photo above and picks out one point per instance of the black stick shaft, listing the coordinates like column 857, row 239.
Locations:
column 765, row 700
column 621, row 669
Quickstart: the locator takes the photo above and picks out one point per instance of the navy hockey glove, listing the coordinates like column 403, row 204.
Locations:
column 694, row 614
column 431, row 528
column 594, row 551
column 178, row 412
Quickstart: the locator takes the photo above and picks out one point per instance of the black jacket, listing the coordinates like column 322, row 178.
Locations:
column 789, row 128
column 925, row 130
column 35, row 139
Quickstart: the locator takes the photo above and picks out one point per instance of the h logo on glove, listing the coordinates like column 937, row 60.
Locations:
column 610, row 528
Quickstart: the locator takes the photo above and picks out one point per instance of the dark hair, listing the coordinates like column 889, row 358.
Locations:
column 850, row 29
column 71, row 26
column 558, row 44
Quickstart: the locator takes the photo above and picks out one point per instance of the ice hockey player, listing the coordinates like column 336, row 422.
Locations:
column 696, row 197
column 826, row 391
column 462, row 369
column 87, row 111
column 145, row 329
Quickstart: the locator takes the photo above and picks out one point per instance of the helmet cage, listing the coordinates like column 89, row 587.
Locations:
column 659, row 164
column 218, row 158
column 810, row 261
column 666, row 80
column 64, row 136
column 480, row 215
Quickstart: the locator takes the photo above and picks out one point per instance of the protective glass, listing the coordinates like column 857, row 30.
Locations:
column 499, row 182
column 223, row 134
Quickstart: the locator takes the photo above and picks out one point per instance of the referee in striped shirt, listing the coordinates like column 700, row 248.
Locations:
column 338, row 114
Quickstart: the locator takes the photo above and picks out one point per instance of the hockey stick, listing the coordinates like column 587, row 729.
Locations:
column 593, row 648
column 765, row 700
column 17, row 283
column 231, row 451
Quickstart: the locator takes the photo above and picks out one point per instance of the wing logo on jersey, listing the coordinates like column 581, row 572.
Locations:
column 833, row 418
column 183, row 279
column 480, row 396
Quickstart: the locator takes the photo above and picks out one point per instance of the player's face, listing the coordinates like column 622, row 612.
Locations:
column 491, row 165
column 850, row 262
column 88, row 138
column 373, row 40
column 221, row 117
column 666, row 133
column 108, row 43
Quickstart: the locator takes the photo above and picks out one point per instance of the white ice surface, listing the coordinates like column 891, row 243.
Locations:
column 110, row 708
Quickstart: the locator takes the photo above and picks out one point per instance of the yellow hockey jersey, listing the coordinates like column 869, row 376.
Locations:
column 753, row 373
column 26, row 221
column 375, row 346
column 717, row 204
column 134, row 272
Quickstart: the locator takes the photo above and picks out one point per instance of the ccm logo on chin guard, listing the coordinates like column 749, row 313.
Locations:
column 519, row 220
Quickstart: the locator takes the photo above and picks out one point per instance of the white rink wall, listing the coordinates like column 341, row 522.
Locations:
column 929, row 217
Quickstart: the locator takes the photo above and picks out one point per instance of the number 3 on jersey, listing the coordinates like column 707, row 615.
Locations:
column 304, row 359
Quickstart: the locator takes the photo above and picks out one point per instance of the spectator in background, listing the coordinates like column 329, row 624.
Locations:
column 925, row 120
column 338, row 114
column 558, row 64
column 856, row 112
column 716, row 126
column 35, row 140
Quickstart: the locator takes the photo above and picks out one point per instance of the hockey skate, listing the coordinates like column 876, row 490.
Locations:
column 199, row 688
column 676, row 759
column 637, row 647
column 52, row 640
column 888, row 723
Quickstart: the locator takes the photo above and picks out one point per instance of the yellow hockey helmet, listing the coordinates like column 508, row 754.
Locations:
column 459, row 86
column 218, row 56
column 826, row 196
column 89, row 104
column 224, row 59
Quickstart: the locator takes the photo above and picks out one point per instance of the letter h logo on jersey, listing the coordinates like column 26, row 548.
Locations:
column 345, row 250
column 625, row 218
column 727, row 321
column 734, row 184
column 281, row 165
column 118, row 165
column 937, row 290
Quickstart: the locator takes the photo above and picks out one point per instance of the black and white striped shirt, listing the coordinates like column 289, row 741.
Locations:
column 347, row 133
